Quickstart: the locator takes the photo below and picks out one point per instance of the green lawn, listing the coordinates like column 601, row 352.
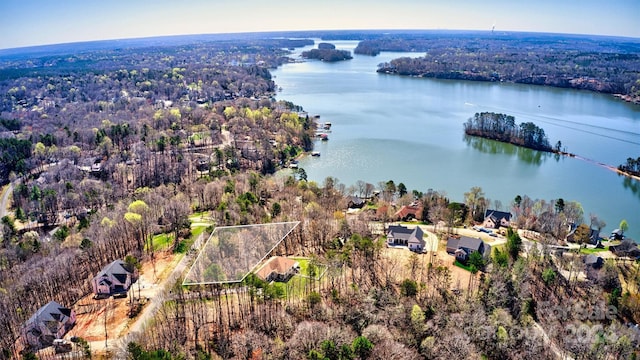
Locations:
column 201, row 216
column 296, row 286
column 161, row 241
column 370, row 207
column 462, row 266
column 304, row 267
column 197, row 230
column 593, row 250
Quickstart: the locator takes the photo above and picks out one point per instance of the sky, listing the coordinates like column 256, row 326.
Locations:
column 39, row 22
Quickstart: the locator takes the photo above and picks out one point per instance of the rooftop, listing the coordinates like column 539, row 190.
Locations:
column 279, row 264
column 232, row 252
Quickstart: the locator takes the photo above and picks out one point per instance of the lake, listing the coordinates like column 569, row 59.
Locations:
column 410, row 130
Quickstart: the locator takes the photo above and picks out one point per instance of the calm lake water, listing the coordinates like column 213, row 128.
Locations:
column 410, row 130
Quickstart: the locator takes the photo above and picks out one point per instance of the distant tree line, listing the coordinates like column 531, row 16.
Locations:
column 503, row 128
column 326, row 46
column 578, row 62
column 148, row 109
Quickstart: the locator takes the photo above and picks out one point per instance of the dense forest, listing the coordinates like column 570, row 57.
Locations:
column 107, row 149
column 608, row 65
column 91, row 103
column 90, row 133
column 503, row 128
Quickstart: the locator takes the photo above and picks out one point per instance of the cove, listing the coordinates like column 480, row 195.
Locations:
column 410, row 130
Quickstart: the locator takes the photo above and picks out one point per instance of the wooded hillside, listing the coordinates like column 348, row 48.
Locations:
column 601, row 64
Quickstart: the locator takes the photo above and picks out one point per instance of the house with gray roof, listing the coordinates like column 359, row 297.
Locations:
column 114, row 279
column 463, row 246
column 593, row 261
column 617, row 234
column 594, row 235
column 494, row 219
column 50, row 322
column 355, row 202
column 398, row 235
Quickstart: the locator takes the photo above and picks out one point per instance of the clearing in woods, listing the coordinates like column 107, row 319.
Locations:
column 91, row 313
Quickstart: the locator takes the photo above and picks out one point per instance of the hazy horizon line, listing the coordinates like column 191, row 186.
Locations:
column 134, row 38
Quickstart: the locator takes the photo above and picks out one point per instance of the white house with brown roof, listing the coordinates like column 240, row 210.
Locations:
column 278, row 268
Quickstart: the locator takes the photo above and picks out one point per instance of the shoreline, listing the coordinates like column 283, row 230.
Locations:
column 567, row 154
column 609, row 167
column 628, row 98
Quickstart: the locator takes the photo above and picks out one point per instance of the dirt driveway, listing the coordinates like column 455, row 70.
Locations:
column 91, row 313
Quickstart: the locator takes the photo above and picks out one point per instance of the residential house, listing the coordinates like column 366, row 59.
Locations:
column 409, row 212
column 96, row 166
column 278, row 268
column 355, row 202
column 617, row 234
column 403, row 236
column 593, row 261
column 494, row 219
column 50, row 322
column 114, row 279
column 594, row 235
column 463, row 246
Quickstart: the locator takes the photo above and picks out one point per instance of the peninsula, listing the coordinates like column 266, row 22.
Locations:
column 595, row 63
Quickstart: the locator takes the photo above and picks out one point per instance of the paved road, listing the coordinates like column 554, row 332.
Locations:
column 4, row 202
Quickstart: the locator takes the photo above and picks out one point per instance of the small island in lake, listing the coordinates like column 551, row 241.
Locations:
column 503, row 128
column 327, row 52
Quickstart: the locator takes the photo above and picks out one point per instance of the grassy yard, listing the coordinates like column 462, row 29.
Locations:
column 304, row 267
column 593, row 250
column 200, row 221
column 296, row 286
column 462, row 266
column 201, row 217
column 161, row 241
column 197, row 230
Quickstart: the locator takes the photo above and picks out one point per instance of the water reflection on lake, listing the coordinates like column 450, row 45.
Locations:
column 410, row 130
column 525, row 155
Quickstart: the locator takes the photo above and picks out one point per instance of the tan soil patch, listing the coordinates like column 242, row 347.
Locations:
column 400, row 257
column 91, row 313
